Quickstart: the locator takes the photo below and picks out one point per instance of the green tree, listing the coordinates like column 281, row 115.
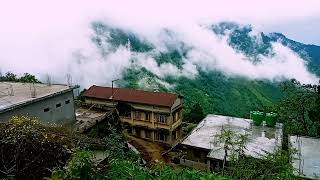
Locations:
column 196, row 114
column 299, row 109
column 9, row 76
column 240, row 166
column 28, row 78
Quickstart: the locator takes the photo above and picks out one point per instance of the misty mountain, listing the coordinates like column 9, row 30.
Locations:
column 241, row 40
column 311, row 53
column 216, row 91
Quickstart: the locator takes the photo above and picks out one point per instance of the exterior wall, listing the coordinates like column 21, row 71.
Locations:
column 100, row 102
column 168, row 132
column 177, row 104
column 195, row 157
column 194, row 164
column 196, row 154
column 62, row 114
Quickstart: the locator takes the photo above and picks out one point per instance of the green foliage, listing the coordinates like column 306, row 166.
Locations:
column 122, row 169
column 81, row 97
column 9, row 76
column 242, row 39
column 80, row 166
column 173, row 57
column 105, row 34
column 116, row 147
column 219, row 94
column 188, row 127
column 216, row 93
column 272, row 166
column 140, row 78
column 311, row 53
column 28, row 150
column 195, row 114
column 26, row 78
column 299, row 109
column 275, row 165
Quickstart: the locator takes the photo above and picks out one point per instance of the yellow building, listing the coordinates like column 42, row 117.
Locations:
column 155, row 116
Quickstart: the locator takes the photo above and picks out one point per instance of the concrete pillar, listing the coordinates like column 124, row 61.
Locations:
column 153, row 135
column 132, row 114
column 170, row 137
column 133, row 131
column 152, row 119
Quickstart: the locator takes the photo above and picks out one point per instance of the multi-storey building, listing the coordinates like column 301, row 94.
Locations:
column 156, row 116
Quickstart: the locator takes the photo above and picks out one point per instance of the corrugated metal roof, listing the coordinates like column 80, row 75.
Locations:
column 132, row 95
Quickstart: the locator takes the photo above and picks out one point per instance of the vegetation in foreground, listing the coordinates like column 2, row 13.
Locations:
column 57, row 144
column 31, row 150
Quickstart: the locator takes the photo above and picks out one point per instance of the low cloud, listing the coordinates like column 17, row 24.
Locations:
column 55, row 38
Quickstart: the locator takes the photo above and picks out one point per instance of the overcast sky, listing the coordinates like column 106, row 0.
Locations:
column 300, row 20
column 42, row 36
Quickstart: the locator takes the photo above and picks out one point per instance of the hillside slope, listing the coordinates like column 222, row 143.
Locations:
column 214, row 90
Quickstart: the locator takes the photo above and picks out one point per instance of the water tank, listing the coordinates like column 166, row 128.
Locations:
column 271, row 119
column 257, row 117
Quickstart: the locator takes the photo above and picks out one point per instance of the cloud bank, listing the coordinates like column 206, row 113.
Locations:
column 54, row 38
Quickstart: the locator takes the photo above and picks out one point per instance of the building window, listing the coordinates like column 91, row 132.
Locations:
column 162, row 119
column 162, row 136
column 138, row 132
column 46, row 110
column 67, row 101
column 148, row 134
column 58, row 105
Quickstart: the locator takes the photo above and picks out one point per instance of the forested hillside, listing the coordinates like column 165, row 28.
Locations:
column 215, row 91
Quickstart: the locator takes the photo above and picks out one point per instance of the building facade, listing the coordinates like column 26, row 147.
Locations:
column 52, row 104
column 153, row 116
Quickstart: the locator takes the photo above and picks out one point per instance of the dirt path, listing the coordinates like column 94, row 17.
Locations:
column 150, row 151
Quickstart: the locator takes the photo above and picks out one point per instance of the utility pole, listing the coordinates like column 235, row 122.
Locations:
column 112, row 86
column 112, row 93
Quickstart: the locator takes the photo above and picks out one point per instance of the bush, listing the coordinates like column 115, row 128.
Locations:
column 27, row 151
column 81, row 166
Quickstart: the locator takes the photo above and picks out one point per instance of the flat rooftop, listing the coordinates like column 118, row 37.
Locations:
column 307, row 160
column 261, row 139
column 87, row 118
column 14, row 94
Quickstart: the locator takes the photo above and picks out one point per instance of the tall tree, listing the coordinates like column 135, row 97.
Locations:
column 299, row 110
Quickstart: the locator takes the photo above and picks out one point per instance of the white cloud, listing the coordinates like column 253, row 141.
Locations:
column 42, row 37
